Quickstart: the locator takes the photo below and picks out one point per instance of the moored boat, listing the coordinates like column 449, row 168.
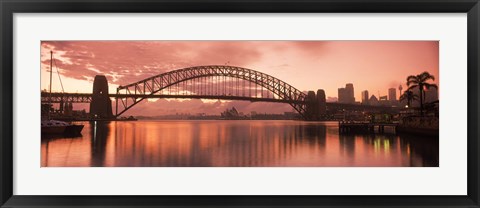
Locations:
column 60, row 127
column 74, row 129
column 53, row 127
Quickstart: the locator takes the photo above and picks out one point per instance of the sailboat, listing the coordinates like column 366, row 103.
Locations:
column 56, row 127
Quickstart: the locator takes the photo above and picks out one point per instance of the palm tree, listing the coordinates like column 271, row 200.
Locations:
column 409, row 96
column 421, row 81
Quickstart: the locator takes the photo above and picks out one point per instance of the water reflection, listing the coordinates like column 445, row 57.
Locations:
column 98, row 143
column 232, row 144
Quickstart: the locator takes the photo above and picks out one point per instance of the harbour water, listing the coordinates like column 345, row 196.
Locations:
column 234, row 143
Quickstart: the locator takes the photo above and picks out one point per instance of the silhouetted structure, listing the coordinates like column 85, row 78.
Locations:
column 350, row 93
column 68, row 109
column 392, row 94
column 316, row 105
column 365, row 97
column 342, row 95
column 322, row 103
column 431, row 95
column 312, row 106
column 346, row 95
column 101, row 105
column 400, row 88
column 230, row 113
column 208, row 82
column 373, row 100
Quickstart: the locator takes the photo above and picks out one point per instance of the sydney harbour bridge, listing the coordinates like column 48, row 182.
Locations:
column 201, row 82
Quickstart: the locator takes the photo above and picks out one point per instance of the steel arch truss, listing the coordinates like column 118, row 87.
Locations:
column 130, row 95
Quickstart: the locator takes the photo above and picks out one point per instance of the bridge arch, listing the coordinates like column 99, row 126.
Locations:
column 131, row 94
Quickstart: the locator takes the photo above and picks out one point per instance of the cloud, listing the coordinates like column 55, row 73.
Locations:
column 129, row 61
column 124, row 62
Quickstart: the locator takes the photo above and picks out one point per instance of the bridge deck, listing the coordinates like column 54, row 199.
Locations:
column 58, row 97
column 86, row 97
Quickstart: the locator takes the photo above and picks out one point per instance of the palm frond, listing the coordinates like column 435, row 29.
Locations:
column 413, row 87
column 411, row 78
column 408, row 95
column 426, row 76
column 412, row 82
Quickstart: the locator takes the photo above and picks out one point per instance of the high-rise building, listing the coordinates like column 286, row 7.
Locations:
column 350, row 93
column 365, row 97
column 392, row 94
column 346, row 95
column 342, row 95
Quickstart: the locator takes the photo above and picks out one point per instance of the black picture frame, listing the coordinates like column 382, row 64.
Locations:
column 10, row 7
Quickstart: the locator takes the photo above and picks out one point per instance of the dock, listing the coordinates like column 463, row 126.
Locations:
column 364, row 127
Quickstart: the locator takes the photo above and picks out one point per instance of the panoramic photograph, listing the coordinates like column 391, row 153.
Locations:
column 239, row 103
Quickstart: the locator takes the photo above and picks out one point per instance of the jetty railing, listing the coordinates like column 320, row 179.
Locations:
column 365, row 126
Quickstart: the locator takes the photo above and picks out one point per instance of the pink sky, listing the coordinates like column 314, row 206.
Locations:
column 307, row 65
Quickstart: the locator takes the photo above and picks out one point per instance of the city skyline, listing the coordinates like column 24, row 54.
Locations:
column 306, row 65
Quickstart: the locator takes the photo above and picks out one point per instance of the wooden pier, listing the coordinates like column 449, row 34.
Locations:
column 364, row 127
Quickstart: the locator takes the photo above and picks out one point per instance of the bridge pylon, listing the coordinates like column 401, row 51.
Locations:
column 101, row 105
column 315, row 105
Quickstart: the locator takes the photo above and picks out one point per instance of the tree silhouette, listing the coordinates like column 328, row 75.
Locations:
column 420, row 81
column 409, row 96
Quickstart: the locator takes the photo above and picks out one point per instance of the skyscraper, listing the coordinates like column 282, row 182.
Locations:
column 350, row 93
column 392, row 94
column 365, row 97
column 346, row 95
column 342, row 95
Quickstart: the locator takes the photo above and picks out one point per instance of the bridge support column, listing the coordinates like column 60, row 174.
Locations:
column 321, row 104
column 316, row 106
column 311, row 107
column 101, row 105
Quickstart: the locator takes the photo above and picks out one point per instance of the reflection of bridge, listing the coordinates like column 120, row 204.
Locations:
column 201, row 82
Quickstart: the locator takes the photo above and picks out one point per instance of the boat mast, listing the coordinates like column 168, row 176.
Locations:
column 50, row 90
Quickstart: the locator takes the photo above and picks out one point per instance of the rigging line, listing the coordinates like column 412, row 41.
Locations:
column 58, row 73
